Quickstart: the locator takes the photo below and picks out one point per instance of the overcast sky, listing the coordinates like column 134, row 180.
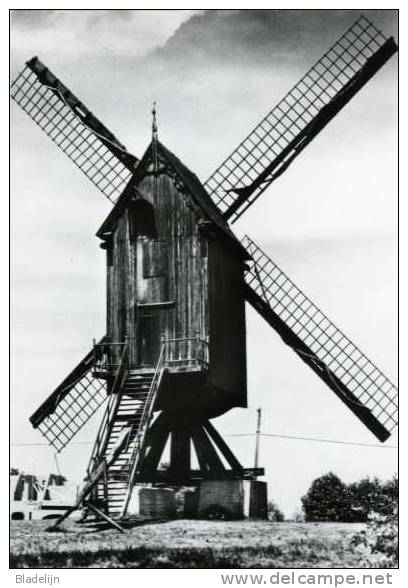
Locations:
column 330, row 222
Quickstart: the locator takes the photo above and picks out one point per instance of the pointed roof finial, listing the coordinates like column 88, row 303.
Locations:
column 154, row 122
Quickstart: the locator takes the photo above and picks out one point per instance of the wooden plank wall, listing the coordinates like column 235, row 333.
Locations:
column 177, row 276
column 198, row 280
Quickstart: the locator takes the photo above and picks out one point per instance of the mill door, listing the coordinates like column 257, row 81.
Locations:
column 149, row 338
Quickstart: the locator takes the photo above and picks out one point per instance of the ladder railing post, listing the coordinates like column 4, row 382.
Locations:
column 106, row 424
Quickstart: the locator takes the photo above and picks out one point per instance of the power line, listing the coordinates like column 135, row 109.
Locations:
column 274, row 435
column 336, row 441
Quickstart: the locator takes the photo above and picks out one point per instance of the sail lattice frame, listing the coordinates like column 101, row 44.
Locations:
column 274, row 143
column 71, row 405
column 346, row 368
column 73, row 411
column 64, row 119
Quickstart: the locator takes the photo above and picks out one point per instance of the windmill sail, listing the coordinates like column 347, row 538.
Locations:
column 309, row 106
column 71, row 405
column 69, row 123
column 332, row 356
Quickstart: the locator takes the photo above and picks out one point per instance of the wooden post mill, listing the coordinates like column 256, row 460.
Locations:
column 173, row 356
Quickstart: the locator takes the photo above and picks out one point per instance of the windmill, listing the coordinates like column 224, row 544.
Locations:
column 174, row 353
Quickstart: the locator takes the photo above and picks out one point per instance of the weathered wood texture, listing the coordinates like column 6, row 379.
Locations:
column 170, row 281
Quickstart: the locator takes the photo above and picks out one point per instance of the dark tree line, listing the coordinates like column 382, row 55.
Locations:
column 330, row 499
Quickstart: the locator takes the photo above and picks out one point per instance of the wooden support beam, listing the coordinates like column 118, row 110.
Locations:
column 207, row 450
column 200, row 451
column 194, row 476
column 222, row 446
column 104, row 516
column 180, row 451
column 157, row 437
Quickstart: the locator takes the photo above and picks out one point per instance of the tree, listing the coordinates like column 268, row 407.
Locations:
column 274, row 513
column 329, row 499
column 370, row 496
column 364, row 497
column 326, row 500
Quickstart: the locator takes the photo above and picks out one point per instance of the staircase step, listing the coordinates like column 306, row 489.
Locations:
column 117, row 500
column 128, row 416
column 117, row 489
column 134, row 394
column 131, row 408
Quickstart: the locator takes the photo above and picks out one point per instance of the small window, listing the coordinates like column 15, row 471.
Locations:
column 154, row 259
column 141, row 220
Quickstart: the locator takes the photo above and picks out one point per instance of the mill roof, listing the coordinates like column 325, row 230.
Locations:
column 193, row 186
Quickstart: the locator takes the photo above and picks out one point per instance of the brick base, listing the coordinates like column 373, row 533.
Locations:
column 157, row 502
column 233, row 499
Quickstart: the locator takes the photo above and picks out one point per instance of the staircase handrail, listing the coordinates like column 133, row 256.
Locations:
column 148, row 407
column 115, row 396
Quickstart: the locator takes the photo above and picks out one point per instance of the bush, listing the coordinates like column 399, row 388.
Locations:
column 378, row 543
column 274, row 513
column 217, row 513
column 298, row 516
column 389, row 499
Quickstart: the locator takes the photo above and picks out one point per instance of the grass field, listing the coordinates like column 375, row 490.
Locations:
column 186, row 544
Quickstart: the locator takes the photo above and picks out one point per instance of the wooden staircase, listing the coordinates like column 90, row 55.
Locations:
column 120, row 442
column 112, row 489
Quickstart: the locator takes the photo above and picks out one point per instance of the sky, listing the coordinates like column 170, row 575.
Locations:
column 330, row 222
